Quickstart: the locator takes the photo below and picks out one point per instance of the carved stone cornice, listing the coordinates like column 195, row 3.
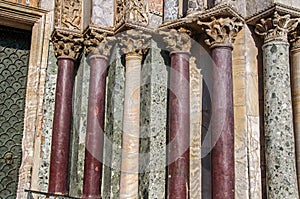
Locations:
column 222, row 31
column 68, row 14
column 177, row 40
column 98, row 43
column 295, row 40
column 134, row 42
column 276, row 28
column 67, row 43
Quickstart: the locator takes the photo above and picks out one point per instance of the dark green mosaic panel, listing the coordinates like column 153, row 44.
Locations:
column 14, row 54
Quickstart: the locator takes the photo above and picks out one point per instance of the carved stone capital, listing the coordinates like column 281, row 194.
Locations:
column 67, row 14
column 134, row 42
column 177, row 40
column 98, row 43
column 222, row 31
column 276, row 28
column 295, row 40
column 67, row 44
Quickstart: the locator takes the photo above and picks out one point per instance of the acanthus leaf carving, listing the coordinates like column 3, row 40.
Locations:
column 134, row 42
column 222, row 30
column 68, row 14
column 98, row 43
column 276, row 28
column 177, row 40
column 295, row 39
column 67, row 44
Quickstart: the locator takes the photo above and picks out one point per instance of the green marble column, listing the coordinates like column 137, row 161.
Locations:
column 278, row 127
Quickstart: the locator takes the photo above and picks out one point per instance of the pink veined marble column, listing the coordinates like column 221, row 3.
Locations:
column 179, row 135
column 131, row 129
column 222, row 127
column 61, row 127
column 95, row 128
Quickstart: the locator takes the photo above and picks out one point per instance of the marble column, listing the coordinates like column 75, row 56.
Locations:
column 97, row 48
column 295, row 80
column 95, row 125
column 222, row 126
column 278, row 126
column 133, row 43
column 179, row 44
column 59, row 159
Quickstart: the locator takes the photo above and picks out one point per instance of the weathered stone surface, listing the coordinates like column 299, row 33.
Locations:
column 80, row 103
column 49, row 100
column 295, row 80
column 98, row 10
column 253, row 116
column 153, row 125
column 113, row 127
column 170, row 10
column 279, row 134
column 240, row 121
column 195, row 129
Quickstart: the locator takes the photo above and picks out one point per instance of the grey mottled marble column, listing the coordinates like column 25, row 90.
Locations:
column 278, row 116
column 170, row 10
column 279, row 134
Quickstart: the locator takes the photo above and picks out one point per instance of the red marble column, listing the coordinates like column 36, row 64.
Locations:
column 95, row 125
column 61, row 127
column 222, row 127
column 179, row 138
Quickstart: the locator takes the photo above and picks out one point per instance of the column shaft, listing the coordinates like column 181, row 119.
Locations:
column 130, row 139
column 179, row 114
column 61, row 127
column 295, row 78
column 279, row 134
column 222, row 127
column 95, row 126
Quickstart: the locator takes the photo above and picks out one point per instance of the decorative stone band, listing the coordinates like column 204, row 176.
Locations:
column 177, row 40
column 67, row 43
column 221, row 31
column 134, row 42
column 98, row 43
column 276, row 28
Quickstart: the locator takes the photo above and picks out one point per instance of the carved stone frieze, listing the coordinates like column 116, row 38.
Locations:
column 276, row 28
column 98, row 43
column 68, row 14
column 67, row 43
column 222, row 31
column 134, row 11
column 134, row 42
column 196, row 6
column 177, row 40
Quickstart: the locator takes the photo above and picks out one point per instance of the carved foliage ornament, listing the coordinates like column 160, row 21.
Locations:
column 134, row 42
column 295, row 39
column 67, row 44
column 222, row 30
column 276, row 28
column 98, row 43
column 177, row 40
column 68, row 14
